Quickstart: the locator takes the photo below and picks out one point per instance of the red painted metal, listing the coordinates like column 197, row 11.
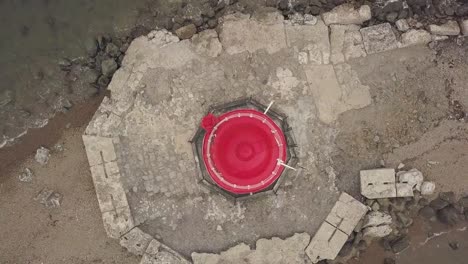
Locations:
column 243, row 150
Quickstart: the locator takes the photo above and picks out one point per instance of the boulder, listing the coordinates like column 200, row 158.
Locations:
column 427, row 212
column 400, row 244
column 402, row 25
column 464, row 27
column 448, row 197
column 415, row 37
column 108, row 67
column 376, row 218
column 377, row 231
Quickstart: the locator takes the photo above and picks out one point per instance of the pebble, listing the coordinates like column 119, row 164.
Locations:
column 42, row 155
column 219, row 228
column 186, row 32
column 26, row 176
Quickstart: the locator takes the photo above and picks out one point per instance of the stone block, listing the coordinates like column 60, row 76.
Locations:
column 346, row 14
column 451, row 28
column 404, row 190
column 464, row 27
column 99, row 149
column 326, row 243
column 311, row 39
column 109, row 190
column 379, row 38
column 379, row 183
column 239, row 33
column 117, row 222
column 136, row 241
column 415, row 37
column 346, row 213
column 346, row 43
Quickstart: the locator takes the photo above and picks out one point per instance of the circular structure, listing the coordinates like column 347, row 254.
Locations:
column 244, row 150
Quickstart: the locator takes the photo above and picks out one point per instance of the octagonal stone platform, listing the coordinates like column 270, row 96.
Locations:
column 138, row 141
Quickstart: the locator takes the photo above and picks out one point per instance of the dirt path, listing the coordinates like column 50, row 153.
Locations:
column 72, row 233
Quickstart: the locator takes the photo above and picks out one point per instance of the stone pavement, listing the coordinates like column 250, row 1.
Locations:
column 137, row 142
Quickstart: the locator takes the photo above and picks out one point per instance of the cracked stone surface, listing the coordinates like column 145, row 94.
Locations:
column 140, row 133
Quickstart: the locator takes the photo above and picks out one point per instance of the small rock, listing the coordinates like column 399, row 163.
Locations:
column 454, row 245
column 389, row 261
column 375, row 207
column 427, row 212
column 464, row 27
column 49, row 198
column 112, row 50
column 59, row 147
column 212, row 23
column 103, row 81
column 427, row 188
column 450, row 28
column 377, row 219
column 108, row 67
column 283, row 5
column 346, row 14
column 296, row 18
column 438, row 204
column 219, row 228
column 26, row 175
column 448, row 197
column 402, row 25
column 448, row 215
column 379, row 38
column 400, row 244
column 65, row 64
column 135, row 189
column 89, row 75
column 310, row 19
column 42, row 155
column 91, row 47
column 401, row 166
column 186, row 32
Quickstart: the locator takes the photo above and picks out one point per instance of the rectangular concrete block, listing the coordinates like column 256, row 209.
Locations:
column 118, row 222
column 326, row 243
column 109, row 189
column 99, row 149
column 346, row 213
column 379, row 38
column 379, row 183
column 136, row 241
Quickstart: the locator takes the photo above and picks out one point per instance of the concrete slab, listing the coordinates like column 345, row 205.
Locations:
column 136, row 241
column 346, row 14
column 379, row 183
column 379, row 38
column 346, row 213
column 239, row 33
column 326, row 243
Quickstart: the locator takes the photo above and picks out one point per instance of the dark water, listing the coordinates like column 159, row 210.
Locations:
column 37, row 34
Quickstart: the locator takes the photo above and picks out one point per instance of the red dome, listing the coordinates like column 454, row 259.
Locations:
column 242, row 150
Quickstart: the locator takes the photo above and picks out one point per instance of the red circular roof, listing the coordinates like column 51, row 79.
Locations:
column 242, row 150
